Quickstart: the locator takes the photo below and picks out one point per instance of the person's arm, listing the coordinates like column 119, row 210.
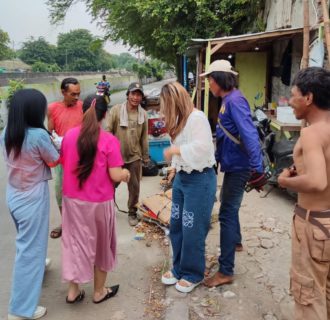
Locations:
column 119, row 174
column 144, row 141
column 200, row 145
column 50, row 121
column 47, row 150
column 115, row 161
column 241, row 115
column 314, row 177
column 111, row 120
column 171, row 151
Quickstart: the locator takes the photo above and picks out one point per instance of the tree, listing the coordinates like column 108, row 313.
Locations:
column 37, row 50
column 45, row 67
column 105, row 61
column 151, row 68
column 78, row 49
column 5, row 51
column 163, row 28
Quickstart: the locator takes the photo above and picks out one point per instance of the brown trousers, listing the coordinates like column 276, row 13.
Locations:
column 135, row 169
column 310, row 268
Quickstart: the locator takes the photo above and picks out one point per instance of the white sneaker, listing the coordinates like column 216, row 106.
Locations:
column 48, row 262
column 40, row 312
column 186, row 289
column 170, row 280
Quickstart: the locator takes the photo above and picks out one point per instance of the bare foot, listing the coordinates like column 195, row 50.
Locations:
column 218, row 279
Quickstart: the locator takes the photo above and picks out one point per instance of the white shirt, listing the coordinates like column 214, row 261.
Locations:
column 196, row 144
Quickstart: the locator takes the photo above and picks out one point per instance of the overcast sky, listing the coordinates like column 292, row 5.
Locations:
column 22, row 19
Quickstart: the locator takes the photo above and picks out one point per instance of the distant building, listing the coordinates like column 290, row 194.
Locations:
column 15, row 65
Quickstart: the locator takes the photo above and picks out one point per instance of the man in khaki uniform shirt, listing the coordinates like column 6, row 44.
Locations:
column 129, row 123
column 310, row 177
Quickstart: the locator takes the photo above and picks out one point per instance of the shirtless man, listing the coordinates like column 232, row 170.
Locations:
column 310, row 177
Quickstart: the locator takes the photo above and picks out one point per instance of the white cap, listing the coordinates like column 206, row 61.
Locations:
column 219, row 65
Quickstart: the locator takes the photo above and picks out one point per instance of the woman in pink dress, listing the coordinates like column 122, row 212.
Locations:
column 92, row 163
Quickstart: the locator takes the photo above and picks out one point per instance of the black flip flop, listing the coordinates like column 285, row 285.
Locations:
column 79, row 297
column 114, row 290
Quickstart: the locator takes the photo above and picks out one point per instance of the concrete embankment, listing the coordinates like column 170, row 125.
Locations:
column 49, row 84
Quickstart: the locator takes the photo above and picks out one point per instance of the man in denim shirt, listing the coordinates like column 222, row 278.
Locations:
column 239, row 154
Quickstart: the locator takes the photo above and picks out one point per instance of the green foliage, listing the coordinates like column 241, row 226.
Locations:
column 152, row 68
column 37, row 50
column 163, row 28
column 124, row 61
column 45, row 67
column 5, row 51
column 13, row 86
column 76, row 49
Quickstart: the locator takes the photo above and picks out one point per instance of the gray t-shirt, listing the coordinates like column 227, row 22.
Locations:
column 30, row 167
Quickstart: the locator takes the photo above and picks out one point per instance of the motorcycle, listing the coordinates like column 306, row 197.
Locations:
column 277, row 155
column 103, row 90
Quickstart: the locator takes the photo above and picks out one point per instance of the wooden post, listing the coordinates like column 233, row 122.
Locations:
column 206, row 85
column 199, row 57
column 326, row 21
column 305, row 57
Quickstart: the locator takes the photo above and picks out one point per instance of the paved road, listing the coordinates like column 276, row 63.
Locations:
column 135, row 261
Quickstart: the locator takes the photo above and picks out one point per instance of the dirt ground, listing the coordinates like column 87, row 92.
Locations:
column 260, row 289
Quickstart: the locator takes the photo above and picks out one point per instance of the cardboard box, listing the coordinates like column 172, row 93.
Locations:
column 286, row 115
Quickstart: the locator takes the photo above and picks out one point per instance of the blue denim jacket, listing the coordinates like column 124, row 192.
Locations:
column 235, row 116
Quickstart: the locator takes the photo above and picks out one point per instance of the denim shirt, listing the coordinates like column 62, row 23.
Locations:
column 30, row 167
column 235, row 116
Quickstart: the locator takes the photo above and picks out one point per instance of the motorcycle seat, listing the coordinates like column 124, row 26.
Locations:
column 283, row 147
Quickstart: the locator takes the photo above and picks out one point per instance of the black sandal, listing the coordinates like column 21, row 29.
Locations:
column 110, row 294
column 79, row 297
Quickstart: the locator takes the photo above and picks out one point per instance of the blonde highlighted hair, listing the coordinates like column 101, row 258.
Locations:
column 176, row 106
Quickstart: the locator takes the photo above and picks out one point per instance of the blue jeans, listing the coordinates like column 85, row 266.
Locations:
column 192, row 202
column 230, row 231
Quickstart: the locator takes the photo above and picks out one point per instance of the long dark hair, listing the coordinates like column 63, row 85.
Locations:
column 94, row 108
column 27, row 108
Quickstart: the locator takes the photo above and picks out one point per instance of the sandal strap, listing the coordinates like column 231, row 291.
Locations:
column 189, row 284
column 168, row 274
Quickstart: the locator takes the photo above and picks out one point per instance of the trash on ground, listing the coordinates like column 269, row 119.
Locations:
column 139, row 236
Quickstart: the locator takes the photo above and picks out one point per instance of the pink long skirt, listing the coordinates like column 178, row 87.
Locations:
column 88, row 238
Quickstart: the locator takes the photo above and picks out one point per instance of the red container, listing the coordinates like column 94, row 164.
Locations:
column 156, row 127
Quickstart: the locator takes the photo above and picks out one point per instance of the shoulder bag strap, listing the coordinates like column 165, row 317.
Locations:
column 228, row 134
